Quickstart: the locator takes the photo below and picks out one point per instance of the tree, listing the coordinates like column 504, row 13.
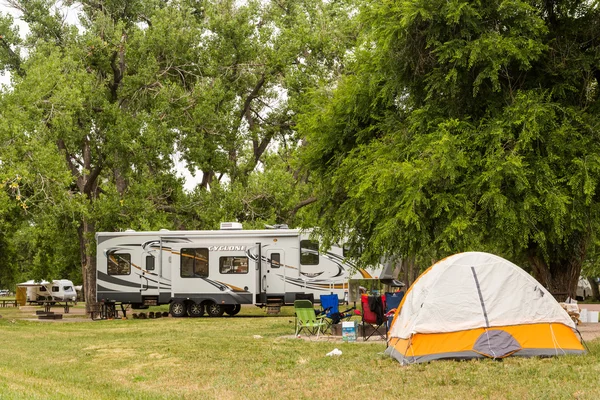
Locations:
column 238, row 101
column 97, row 111
column 465, row 126
column 83, row 138
column 257, row 62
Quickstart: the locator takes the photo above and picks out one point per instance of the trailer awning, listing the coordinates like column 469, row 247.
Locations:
column 33, row 283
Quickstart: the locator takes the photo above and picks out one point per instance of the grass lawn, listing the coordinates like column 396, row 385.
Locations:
column 220, row 358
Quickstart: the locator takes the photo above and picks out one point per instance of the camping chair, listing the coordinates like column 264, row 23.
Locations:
column 373, row 316
column 306, row 319
column 306, row 296
column 330, row 309
column 392, row 302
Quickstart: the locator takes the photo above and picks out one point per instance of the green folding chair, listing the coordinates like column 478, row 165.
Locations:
column 306, row 319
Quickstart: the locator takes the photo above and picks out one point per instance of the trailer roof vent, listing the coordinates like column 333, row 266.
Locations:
column 163, row 230
column 129, row 230
column 231, row 226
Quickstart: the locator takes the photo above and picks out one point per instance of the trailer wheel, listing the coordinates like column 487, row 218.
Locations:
column 214, row 310
column 195, row 310
column 233, row 309
column 178, row 309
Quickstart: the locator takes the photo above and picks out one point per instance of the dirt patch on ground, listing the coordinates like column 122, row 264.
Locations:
column 75, row 314
column 332, row 339
column 589, row 331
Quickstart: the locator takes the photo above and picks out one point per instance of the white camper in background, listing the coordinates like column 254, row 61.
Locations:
column 217, row 271
column 55, row 291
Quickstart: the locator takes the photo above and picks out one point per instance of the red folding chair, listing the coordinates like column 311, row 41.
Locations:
column 373, row 316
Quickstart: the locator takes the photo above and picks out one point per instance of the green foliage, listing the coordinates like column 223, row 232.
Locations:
column 464, row 126
column 95, row 113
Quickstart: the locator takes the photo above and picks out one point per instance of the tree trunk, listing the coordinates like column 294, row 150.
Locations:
column 408, row 271
column 595, row 291
column 404, row 272
column 559, row 272
column 85, row 232
column 207, row 178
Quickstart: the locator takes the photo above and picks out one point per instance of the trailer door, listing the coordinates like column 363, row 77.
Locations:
column 150, row 278
column 274, row 271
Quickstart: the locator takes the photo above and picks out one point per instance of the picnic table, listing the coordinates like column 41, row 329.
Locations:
column 8, row 303
column 49, row 304
column 107, row 309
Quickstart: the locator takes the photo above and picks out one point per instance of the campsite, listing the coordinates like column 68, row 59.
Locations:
column 299, row 199
column 252, row 356
column 468, row 317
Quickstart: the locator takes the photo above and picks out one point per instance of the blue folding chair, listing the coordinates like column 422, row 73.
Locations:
column 330, row 304
column 392, row 302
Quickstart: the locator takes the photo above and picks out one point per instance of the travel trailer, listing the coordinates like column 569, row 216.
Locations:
column 218, row 271
column 58, row 290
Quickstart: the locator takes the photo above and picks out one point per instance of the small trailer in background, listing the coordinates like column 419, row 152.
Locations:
column 48, row 294
column 215, row 272
column 59, row 290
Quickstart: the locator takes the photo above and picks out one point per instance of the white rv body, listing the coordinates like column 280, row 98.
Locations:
column 55, row 291
column 226, row 268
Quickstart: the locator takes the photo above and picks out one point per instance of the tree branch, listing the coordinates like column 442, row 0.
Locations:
column 16, row 59
column 301, row 204
column 72, row 167
column 253, row 94
column 118, row 70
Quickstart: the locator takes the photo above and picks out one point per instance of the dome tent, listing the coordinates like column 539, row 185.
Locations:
column 474, row 305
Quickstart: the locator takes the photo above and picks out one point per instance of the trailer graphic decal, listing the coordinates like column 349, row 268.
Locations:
column 233, row 288
column 117, row 281
column 122, row 282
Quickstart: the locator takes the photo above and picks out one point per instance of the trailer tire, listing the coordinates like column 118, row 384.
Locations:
column 233, row 309
column 178, row 309
column 214, row 310
column 195, row 310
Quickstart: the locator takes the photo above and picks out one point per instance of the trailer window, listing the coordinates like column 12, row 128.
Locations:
column 309, row 252
column 233, row 265
column 119, row 264
column 55, row 289
column 149, row 263
column 194, row 263
column 275, row 260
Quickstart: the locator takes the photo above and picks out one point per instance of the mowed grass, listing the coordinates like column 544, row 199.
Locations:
column 253, row 356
